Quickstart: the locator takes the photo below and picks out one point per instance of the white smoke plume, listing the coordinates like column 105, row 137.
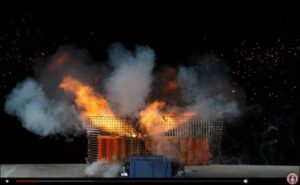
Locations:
column 39, row 114
column 206, row 89
column 130, row 83
column 40, row 105
column 45, row 109
column 102, row 168
column 164, row 147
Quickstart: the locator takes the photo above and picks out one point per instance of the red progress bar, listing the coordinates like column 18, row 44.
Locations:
column 27, row 181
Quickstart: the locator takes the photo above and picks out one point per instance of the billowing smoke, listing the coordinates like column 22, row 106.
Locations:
column 206, row 89
column 41, row 106
column 39, row 114
column 45, row 109
column 164, row 147
column 102, row 168
column 130, row 83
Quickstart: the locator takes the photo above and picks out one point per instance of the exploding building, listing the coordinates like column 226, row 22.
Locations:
column 189, row 142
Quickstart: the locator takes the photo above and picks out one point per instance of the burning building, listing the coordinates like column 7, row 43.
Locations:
column 177, row 134
column 128, row 109
column 189, row 141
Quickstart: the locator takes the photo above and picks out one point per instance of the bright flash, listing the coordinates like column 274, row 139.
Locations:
column 168, row 119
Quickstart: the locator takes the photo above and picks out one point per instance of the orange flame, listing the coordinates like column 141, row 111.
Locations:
column 155, row 121
column 151, row 117
column 93, row 104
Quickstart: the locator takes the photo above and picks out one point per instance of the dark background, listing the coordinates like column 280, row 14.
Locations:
column 260, row 46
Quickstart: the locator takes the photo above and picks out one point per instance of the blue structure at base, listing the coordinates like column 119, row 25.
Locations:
column 154, row 166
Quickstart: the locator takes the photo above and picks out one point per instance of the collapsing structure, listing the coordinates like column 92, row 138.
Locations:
column 194, row 142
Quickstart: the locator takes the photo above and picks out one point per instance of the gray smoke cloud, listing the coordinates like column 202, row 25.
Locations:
column 41, row 106
column 45, row 109
column 130, row 83
column 206, row 89
column 102, row 168
column 39, row 114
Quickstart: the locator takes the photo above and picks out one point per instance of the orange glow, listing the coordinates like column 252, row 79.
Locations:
column 60, row 60
column 171, row 86
column 93, row 104
column 170, row 81
column 155, row 121
column 151, row 117
column 185, row 116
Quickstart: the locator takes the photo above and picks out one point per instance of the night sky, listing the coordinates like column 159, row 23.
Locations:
column 261, row 47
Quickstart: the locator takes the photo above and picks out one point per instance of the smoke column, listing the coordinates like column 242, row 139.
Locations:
column 130, row 83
